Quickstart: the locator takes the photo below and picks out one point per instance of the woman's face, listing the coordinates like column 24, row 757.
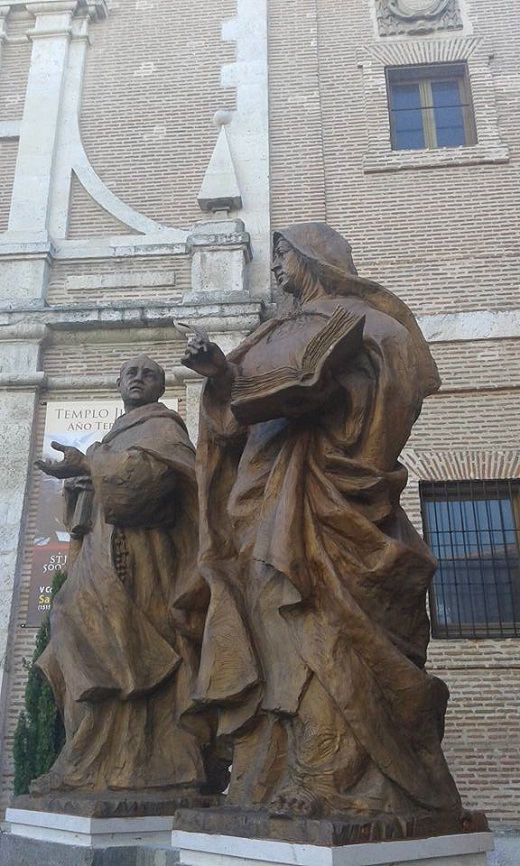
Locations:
column 285, row 267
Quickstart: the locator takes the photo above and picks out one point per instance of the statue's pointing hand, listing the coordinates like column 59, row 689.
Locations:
column 201, row 354
column 74, row 463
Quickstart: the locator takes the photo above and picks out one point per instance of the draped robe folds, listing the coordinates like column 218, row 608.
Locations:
column 126, row 625
column 316, row 633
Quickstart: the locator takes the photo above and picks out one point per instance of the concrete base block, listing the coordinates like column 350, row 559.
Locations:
column 199, row 849
column 507, row 849
column 80, row 831
column 20, row 851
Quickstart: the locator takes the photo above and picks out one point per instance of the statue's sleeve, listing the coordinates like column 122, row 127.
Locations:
column 216, row 420
column 77, row 501
column 137, row 486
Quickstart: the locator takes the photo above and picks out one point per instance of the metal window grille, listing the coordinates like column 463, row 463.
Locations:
column 430, row 106
column 473, row 528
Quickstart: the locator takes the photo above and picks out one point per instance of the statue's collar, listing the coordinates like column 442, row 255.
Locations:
column 139, row 415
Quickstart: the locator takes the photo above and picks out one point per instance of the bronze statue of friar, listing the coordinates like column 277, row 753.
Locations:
column 127, row 624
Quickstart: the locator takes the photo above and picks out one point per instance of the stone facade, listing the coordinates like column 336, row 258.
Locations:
column 121, row 121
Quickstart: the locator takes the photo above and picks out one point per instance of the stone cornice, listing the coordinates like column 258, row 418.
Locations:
column 82, row 383
column 217, row 317
column 22, row 383
column 51, row 7
column 470, row 325
column 28, row 331
column 222, row 314
column 24, row 332
column 95, row 9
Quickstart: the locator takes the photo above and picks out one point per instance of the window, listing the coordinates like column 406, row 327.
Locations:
column 473, row 528
column 430, row 106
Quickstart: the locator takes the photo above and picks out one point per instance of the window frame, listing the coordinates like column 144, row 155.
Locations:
column 478, row 491
column 375, row 56
column 426, row 74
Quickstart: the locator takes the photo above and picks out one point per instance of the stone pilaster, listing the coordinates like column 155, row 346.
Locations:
column 221, row 252
column 25, row 247
column 31, row 189
column 20, row 378
column 4, row 12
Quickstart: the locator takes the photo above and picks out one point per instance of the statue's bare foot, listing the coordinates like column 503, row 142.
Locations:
column 296, row 800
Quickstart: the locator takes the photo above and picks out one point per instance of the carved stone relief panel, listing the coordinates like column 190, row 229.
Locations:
column 396, row 17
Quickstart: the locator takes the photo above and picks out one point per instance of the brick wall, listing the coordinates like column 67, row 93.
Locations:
column 479, row 364
column 482, row 741
column 97, row 357
column 14, row 66
column 295, row 130
column 15, row 60
column 418, row 231
column 8, row 153
column 87, row 219
column 152, row 86
column 482, row 738
column 474, row 434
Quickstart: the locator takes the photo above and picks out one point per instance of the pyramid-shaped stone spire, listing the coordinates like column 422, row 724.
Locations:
column 220, row 190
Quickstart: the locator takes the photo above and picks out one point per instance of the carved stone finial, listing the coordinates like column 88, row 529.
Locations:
column 97, row 9
column 396, row 17
column 222, row 117
column 220, row 190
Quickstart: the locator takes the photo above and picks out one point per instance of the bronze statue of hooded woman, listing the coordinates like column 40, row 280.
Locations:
column 316, row 634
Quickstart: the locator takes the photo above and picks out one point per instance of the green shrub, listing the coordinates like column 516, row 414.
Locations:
column 39, row 735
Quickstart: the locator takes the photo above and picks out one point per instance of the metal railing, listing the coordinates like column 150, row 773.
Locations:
column 473, row 528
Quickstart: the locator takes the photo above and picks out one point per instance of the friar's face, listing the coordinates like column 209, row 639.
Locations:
column 286, row 267
column 141, row 382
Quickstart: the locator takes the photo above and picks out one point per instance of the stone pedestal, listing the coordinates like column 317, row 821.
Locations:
column 19, row 851
column 81, row 831
column 221, row 251
column 50, row 839
column 200, row 849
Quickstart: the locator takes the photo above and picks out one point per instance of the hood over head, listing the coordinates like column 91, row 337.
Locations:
column 331, row 258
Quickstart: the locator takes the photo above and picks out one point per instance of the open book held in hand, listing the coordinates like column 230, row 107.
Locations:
column 282, row 390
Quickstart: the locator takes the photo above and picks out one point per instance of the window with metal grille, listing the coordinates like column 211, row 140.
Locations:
column 473, row 528
column 430, row 106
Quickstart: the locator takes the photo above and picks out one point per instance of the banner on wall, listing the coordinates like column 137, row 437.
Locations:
column 79, row 423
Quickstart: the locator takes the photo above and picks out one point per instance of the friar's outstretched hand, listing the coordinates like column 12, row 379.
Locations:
column 74, row 463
